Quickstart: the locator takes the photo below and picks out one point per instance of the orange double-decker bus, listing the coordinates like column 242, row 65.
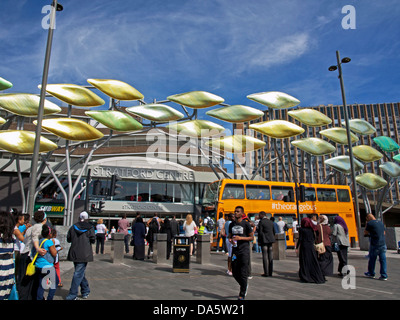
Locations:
column 278, row 199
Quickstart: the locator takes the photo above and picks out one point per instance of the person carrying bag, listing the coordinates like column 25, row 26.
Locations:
column 31, row 269
column 320, row 247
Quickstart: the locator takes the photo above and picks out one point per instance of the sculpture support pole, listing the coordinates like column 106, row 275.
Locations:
column 36, row 148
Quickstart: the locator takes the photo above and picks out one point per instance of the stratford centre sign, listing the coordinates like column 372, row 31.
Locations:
column 142, row 173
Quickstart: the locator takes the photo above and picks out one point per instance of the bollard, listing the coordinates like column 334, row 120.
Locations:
column 279, row 247
column 203, row 249
column 160, row 248
column 118, row 244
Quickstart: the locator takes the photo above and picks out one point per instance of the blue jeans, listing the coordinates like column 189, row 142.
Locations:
column 48, row 273
column 257, row 247
column 79, row 279
column 374, row 252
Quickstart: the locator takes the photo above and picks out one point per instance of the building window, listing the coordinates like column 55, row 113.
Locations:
column 142, row 191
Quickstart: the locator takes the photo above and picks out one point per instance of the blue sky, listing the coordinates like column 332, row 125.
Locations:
column 231, row 48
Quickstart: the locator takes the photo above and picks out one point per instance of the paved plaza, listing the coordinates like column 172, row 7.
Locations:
column 146, row 280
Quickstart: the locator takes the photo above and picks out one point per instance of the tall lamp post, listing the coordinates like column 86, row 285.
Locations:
column 346, row 117
column 36, row 148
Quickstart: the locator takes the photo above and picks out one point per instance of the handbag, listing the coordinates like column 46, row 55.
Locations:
column 335, row 247
column 320, row 247
column 31, row 269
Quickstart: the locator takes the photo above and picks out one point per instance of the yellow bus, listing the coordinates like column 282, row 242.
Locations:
column 278, row 199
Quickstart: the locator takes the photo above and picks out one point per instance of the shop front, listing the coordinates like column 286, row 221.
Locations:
column 132, row 185
column 54, row 211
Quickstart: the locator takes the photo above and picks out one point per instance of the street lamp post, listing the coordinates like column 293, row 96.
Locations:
column 346, row 118
column 36, row 147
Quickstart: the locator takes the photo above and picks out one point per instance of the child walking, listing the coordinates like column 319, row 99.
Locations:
column 45, row 266
column 56, row 261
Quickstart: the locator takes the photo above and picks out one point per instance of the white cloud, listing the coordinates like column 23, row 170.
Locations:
column 163, row 47
column 280, row 51
column 188, row 40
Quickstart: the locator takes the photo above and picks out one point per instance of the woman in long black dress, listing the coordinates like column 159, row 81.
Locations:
column 138, row 234
column 309, row 270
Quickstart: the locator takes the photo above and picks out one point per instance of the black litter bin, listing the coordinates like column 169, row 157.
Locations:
column 181, row 254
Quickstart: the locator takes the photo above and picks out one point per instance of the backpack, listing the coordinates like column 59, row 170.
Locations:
column 210, row 224
column 153, row 226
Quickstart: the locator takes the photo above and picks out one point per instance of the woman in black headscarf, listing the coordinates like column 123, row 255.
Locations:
column 309, row 270
column 138, row 234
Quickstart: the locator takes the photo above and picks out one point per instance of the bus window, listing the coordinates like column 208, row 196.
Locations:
column 211, row 193
column 257, row 192
column 309, row 194
column 343, row 195
column 325, row 194
column 233, row 191
column 278, row 193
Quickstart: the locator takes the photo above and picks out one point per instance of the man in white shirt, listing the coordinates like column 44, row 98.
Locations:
column 295, row 225
column 221, row 226
column 206, row 229
column 295, row 229
column 281, row 225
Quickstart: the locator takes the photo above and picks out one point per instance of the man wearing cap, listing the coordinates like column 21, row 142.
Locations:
column 81, row 236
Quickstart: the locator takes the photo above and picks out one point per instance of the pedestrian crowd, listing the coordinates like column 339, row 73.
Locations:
column 315, row 243
column 29, row 261
column 25, row 241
